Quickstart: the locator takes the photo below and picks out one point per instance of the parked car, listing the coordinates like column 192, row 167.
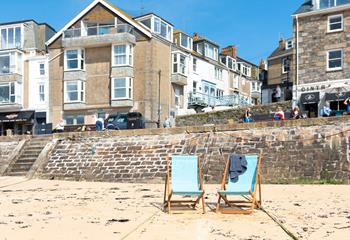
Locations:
column 122, row 121
column 118, row 121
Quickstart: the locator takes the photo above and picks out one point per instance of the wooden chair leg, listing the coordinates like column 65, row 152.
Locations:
column 203, row 203
column 169, row 203
column 218, row 204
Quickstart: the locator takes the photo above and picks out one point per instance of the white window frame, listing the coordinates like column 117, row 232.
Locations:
column 129, row 55
column 194, row 65
column 289, row 44
column 128, row 88
column 178, row 63
column 189, row 41
column 207, row 46
column 157, row 28
column 80, row 58
column 284, row 60
column 329, row 23
column 42, row 95
column 80, row 91
column 342, row 60
column 12, row 94
column 218, row 73
column 42, row 71
column 14, row 27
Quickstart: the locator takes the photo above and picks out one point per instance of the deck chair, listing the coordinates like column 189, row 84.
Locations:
column 186, row 180
column 247, row 187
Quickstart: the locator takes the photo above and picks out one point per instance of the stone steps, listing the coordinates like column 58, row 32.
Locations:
column 29, row 155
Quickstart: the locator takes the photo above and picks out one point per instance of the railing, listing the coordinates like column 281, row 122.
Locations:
column 205, row 100
column 97, row 31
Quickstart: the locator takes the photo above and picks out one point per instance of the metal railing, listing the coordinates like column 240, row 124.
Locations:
column 97, row 31
column 205, row 100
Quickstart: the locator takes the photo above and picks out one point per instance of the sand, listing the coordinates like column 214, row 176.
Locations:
column 43, row 209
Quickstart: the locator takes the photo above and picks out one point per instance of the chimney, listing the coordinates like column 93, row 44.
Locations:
column 262, row 64
column 282, row 44
column 230, row 51
column 195, row 37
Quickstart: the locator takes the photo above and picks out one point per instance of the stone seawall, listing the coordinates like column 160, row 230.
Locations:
column 7, row 148
column 230, row 115
column 293, row 151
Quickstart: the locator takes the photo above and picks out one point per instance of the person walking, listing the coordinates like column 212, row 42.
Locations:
column 326, row 110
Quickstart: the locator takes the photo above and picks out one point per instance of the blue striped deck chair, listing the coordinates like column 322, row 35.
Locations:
column 183, row 179
column 247, row 187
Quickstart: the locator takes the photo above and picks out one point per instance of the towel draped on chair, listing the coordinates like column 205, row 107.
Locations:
column 238, row 166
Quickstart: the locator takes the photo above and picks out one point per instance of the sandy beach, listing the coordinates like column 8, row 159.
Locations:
column 43, row 209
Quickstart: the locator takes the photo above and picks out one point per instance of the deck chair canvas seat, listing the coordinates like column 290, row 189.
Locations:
column 185, row 180
column 247, row 187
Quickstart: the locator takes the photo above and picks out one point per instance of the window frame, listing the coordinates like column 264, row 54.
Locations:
column 178, row 63
column 218, row 73
column 289, row 44
column 284, row 71
column 42, row 95
column 195, row 65
column 189, row 41
column 80, row 60
column 329, row 30
column 80, row 92
column 341, row 59
column 15, row 37
column 42, row 71
column 12, row 92
column 129, row 55
column 129, row 92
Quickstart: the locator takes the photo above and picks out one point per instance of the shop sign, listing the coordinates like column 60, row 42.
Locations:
column 315, row 88
column 12, row 116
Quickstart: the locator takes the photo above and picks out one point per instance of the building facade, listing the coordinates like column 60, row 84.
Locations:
column 281, row 74
column 322, row 46
column 22, row 87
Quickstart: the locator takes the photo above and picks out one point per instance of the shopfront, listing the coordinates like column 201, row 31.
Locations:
column 16, row 123
column 309, row 102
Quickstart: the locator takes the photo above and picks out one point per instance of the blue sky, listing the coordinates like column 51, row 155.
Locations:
column 254, row 26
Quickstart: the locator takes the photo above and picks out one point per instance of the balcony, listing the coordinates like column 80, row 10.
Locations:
column 179, row 79
column 200, row 100
column 98, row 36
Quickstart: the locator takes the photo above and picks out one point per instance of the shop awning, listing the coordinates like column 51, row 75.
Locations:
column 310, row 98
column 23, row 116
column 334, row 96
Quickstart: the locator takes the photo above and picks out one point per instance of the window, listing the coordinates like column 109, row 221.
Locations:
column 335, row 23
column 122, row 88
column 74, row 59
column 285, row 65
column 7, row 93
column 157, row 25
column 218, row 73
column 194, row 64
column 122, row 55
column 219, row 93
column 162, row 28
column 186, row 41
column 4, row 64
column 11, row 38
column 335, row 60
column 179, row 63
column 41, row 92
column 42, row 69
column 74, row 120
column 244, row 69
column 211, row 51
column 229, row 62
column 289, row 44
column 74, row 91
column 177, row 97
column 194, row 87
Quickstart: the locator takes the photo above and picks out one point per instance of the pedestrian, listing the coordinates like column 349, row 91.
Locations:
column 59, row 127
column 248, row 116
column 99, row 124
column 279, row 115
column 276, row 94
column 347, row 104
column 326, row 110
column 295, row 114
column 167, row 123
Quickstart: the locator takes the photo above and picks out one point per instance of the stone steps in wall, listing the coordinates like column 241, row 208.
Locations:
column 17, row 174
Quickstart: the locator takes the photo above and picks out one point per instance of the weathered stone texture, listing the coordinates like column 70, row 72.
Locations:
column 228, row 116
column 290, row 153
column 314, row 42
column 6, row 148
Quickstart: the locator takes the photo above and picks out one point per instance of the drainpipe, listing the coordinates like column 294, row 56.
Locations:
column 295, row 100
column 159, row 103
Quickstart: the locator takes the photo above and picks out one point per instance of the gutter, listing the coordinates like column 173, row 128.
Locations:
column 323, row 11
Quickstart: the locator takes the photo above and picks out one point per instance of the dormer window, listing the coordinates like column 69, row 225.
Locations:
column 245, row 69
column 321, row 4
column 211, row 51
column 289, row 44
column 158, row 26
column 229, row 62
column 185, row 41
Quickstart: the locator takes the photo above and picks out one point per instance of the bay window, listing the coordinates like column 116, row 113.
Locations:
column 179, row 63
column 122, row 88
column 74, row 59
column 122, row 55
column 11, row 63
column 74, row 92
column 335, row 60
column 11, row 38
column 4, row 64
column 7, row 93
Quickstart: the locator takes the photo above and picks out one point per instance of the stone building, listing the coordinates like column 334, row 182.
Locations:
column 105, row 61
column 24, row 77
column 322, row 45
column 281, row 72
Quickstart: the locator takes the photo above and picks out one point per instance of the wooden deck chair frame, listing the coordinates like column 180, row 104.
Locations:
column 168, row 194
column 250, row 202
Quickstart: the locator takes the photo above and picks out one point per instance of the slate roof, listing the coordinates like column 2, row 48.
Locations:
column 278, row 52
column 305, row 7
